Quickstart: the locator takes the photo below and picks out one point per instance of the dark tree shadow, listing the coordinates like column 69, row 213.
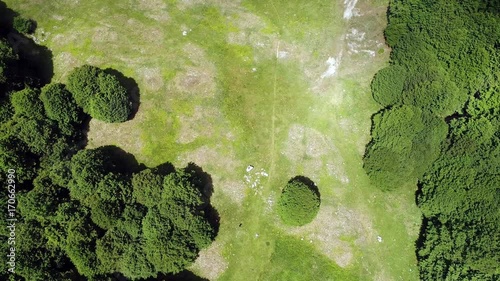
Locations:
column 35, row 61
column 307, row 182
column 6, row 19
column 185, row 275
column 203, row 181
column 34, row 67
column 164, row 169
column 122, row 161
column 132, row 89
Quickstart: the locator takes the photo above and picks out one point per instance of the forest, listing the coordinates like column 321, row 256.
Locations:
column 439, row 130
column 98, row 214
column 87, row 214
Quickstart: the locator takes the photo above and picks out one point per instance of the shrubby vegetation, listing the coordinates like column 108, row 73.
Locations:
column 99, row 94
column 299, row 202
column 440, row 128
column 23, row 25
column 89, row 214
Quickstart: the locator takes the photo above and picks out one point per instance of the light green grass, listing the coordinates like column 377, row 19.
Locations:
column 258, row 108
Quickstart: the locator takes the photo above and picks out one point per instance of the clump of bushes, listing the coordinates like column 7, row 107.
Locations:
column 24, row 25
column 59, row 104
column 299, row 202
column 100, row 94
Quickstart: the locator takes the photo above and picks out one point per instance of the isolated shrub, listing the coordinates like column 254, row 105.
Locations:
column 299, row 202
column 59, row 104
column 99, row 94
column 24, row 25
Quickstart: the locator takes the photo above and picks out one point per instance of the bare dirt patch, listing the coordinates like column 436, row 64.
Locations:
column 236, row 190
column 196, row 81
column 315, row 151
column 219, row 158
column 104, row 34
column 198, row 124
column 210, row 262
column 126, row 134
column 151, row 78
column 65, row 62
column 211, row 157
column 330, row 228
column 155, row 9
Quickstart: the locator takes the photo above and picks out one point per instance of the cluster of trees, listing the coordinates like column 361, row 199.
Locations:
column 299, row 201
column 439, row 128
column 89, row 214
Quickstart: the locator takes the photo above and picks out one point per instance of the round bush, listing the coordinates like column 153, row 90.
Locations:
column 100, row 94
column 59, row 104
column 388, row 84
column 299, row 202
column 23, row 25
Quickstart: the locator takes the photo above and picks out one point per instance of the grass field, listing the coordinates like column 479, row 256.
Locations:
column 279, row 85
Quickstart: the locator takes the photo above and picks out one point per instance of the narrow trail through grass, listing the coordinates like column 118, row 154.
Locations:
column 273, row 117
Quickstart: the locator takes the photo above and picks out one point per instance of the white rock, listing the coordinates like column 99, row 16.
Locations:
column 379, row 238
column 249, row 168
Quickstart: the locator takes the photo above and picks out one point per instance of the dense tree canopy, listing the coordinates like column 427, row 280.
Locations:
column 88, row 214
column 299, row 202
column 59, row 104
column 443, row 71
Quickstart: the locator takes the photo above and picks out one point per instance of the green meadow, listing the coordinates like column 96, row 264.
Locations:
column 255, row 92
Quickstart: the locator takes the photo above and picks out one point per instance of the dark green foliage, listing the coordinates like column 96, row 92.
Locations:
column 134, row 263
column 178, row 189
column 41, row 202
column 14, row 154
column 450, row 50
column 459, row 198
column 59, row 104
column 387, row 85
column 406, row 140
column 23, row 25
column 7, row 57
column 87, row 214
column 6, row 111
column 82, row 83
column 112, row 103
column 99, row 94
column 27, row 103
column 88, row 168
column 148, row 187
column 299, row 202
column 111, row 247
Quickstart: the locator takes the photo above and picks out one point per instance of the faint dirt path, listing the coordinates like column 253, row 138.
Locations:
column 273, row 118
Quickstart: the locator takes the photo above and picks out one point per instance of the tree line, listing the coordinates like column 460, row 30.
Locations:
column 88, row 214
column 439, row 129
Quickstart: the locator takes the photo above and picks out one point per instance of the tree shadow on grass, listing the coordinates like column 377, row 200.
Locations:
column 132, row 89
column 185, row 275
column 34, row 67
column 203, row 181
column 122, row 161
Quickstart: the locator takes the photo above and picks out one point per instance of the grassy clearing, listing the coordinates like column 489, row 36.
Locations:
column 273, row 113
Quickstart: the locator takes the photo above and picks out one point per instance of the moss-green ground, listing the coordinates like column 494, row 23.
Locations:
column 227, row 84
